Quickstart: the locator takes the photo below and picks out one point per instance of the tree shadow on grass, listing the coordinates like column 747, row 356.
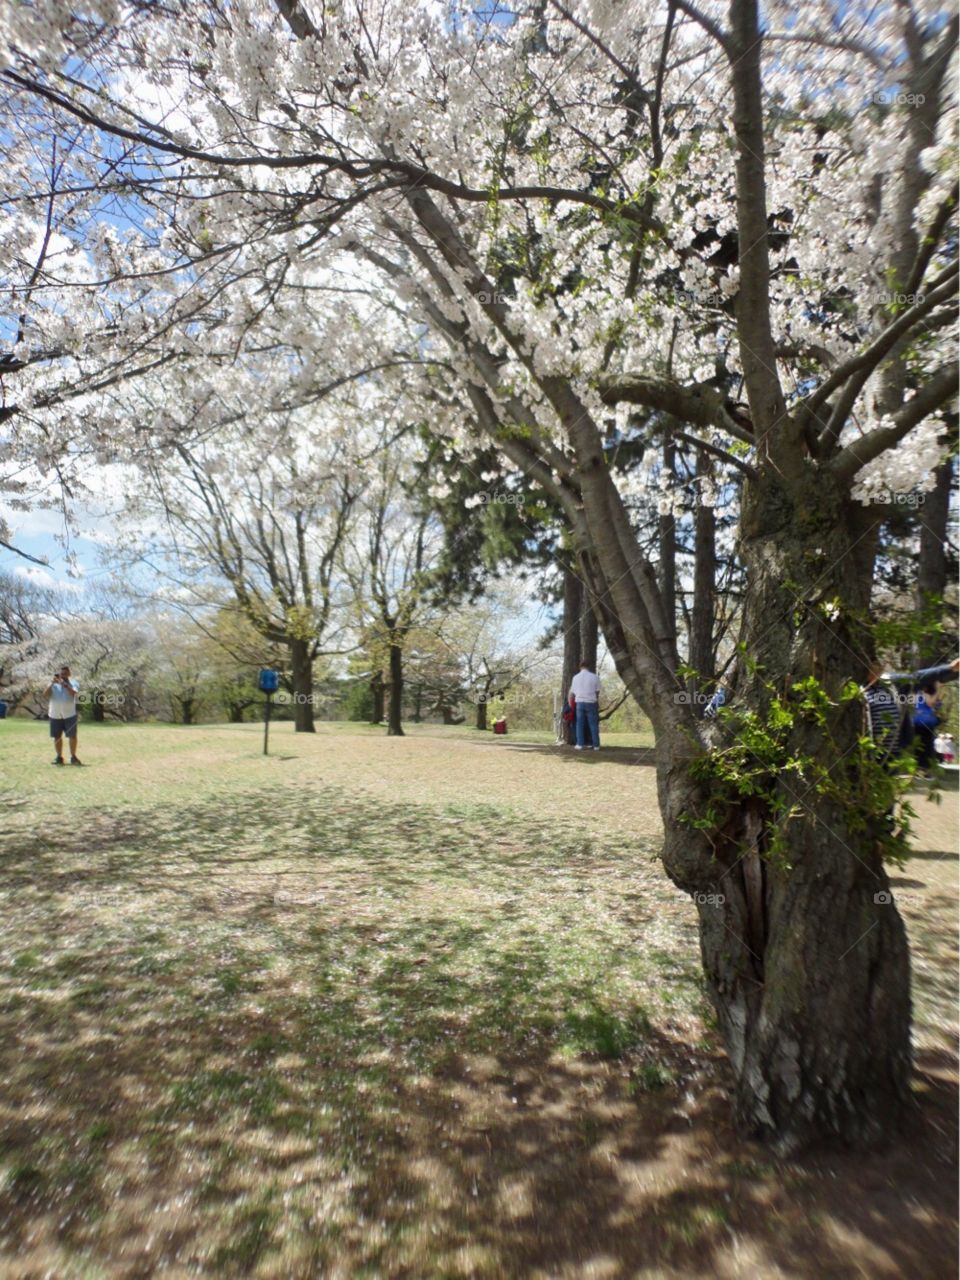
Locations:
column 297, row 1037
column 570, row 755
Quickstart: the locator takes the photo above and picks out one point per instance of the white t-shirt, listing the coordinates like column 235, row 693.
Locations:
column 586, row 687
column 63, row 701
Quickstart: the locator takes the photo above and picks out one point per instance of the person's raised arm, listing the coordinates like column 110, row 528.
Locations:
column 926, row 675
column 942, row 675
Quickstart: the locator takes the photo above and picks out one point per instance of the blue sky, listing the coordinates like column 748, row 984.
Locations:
column 42, row 533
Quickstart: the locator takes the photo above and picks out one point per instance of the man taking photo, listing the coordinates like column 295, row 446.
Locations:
column 62, row 692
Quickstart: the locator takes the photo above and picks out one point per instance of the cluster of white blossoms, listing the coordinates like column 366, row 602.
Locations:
column 907, row 468
column 301, row 209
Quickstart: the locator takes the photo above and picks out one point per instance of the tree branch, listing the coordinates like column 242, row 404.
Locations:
column 858, row 369
column 717, row 452
column 758, row 355
column 702, row 20
column 940, row 389
column 701, row 405
column 8, row 546
column 413, row 176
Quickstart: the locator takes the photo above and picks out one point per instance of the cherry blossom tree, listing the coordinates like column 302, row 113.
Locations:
column 392, row 556
column 112, row 659
column 720, row 232
column 261, row 511
column 27, row 607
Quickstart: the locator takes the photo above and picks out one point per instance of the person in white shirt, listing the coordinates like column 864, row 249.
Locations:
column 62, row 692
column 585, row 689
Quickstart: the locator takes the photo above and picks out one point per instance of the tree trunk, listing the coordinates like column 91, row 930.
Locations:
column 667, row 574
column 482, row 712
column 817, row 1021
column 302, row 668
column 395, row 712
column 186, row 710
column 589, row 634
column 778, row 835
column 378, row 692
column 573, row 594
column 235, row 712
column 96, row 701
column 702, row 657
column 418, row 705
column 932, row 565
column 804, row 952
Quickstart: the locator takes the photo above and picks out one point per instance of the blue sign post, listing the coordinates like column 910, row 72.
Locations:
column 269, row 683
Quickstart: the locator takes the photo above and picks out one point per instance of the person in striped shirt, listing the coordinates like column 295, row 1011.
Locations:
column 891, row 699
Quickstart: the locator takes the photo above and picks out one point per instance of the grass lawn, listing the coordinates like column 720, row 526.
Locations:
column 420, row 1007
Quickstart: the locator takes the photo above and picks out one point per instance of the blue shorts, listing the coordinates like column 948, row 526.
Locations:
column 67, row 727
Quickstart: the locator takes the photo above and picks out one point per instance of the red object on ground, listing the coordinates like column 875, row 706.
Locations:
column 500, row 726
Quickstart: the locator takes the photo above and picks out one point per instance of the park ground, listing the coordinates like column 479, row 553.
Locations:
column 421, row 1007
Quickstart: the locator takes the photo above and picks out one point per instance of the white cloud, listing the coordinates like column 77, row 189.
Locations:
column 43, row 578
column 37, row 522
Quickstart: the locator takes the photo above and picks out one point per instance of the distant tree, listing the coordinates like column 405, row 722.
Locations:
column 392, row 562
column 480, row 636
column 266, row 516
column 25, row 608
column 111, row 659
column 235, row 654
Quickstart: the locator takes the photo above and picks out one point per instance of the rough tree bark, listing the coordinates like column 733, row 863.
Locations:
column 378, row 694
column 667, row 538
column 589, row 634
column 805, row 955
column 932, row 564
column 806, row 958
column 395, row 706
column 573, row 600
column 301, row 663
column 702, row 656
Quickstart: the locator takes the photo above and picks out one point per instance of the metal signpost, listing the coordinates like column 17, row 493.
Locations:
column 269, row 683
